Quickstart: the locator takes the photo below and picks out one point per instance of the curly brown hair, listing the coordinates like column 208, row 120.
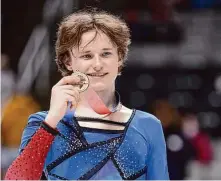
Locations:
column 72, row 28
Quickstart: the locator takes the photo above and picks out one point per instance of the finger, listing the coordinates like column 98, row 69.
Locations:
column 73, row 93
column 67, row 87
column 75, row 88
column 69, row 98
column 77, row 95
column 68, row 80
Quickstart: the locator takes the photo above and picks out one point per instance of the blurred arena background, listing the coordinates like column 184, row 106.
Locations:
column 173, row 71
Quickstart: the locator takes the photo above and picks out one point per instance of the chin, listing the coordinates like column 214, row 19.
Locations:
column 98, row 87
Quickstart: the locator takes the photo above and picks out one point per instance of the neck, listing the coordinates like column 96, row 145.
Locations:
column 107, row 96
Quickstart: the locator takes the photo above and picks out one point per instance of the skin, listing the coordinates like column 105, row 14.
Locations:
column 99, row 57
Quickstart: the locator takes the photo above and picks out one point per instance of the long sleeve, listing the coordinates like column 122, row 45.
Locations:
column 30, row 163
column 157, row 160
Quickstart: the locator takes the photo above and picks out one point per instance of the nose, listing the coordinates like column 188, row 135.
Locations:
column 97, row 63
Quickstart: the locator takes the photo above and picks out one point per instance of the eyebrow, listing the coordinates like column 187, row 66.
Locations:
column 107, row 49
column 88, row 51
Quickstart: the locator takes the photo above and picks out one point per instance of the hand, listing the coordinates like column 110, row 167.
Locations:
column 62, row 93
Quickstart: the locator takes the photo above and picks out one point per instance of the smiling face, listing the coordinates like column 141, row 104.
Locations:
column 98, row 58
column 70, row 34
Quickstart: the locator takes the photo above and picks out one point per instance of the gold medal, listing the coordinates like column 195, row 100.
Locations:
column 84, row 81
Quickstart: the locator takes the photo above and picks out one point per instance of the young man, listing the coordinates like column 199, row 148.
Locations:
column 87, row 133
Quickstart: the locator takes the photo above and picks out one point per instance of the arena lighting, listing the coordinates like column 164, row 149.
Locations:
column 214, row 99
column 217, row 83
column 181, row 99
column 174, row 143
column 191, row 61
column 188, row 82
column 185, row 82
column 209, row 119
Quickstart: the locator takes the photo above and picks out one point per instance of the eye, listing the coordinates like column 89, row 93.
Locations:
column 86, row 56
column 106, row 54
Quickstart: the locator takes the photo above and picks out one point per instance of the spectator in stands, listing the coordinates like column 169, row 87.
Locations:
column 179, row 149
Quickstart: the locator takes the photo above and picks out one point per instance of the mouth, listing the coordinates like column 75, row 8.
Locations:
column 97, row 74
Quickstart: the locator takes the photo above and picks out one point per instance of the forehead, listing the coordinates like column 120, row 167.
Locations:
column 95, row 40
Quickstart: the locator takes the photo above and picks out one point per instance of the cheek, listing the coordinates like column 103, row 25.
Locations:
column 81, row 65
column 114, row 67
column 114, row 64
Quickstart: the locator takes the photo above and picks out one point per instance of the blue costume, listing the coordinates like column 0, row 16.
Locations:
column 136, row 153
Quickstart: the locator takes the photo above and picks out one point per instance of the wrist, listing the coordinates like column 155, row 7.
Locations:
column 49, row 129
column 52, row 121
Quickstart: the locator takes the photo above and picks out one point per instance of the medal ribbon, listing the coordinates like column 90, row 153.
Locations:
column 97, row 104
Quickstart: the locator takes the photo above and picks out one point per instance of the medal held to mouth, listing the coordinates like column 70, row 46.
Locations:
column 93, row 99
column 84, row 81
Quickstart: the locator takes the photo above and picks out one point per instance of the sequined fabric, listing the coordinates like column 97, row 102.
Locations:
column 78, row 153
column 29, row 165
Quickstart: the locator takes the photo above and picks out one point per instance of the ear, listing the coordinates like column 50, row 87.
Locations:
column 120, row 63
column 69, row 67
column 68, row 63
